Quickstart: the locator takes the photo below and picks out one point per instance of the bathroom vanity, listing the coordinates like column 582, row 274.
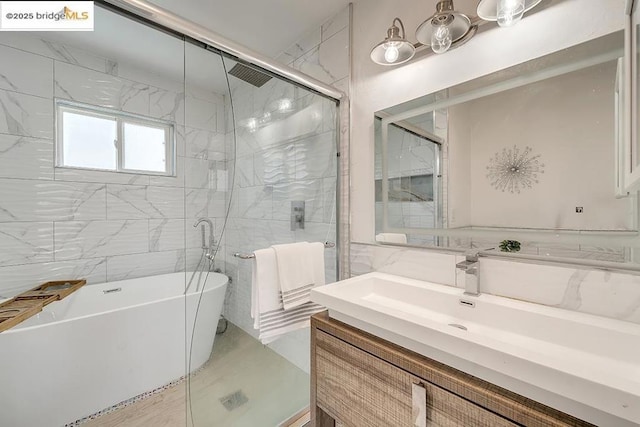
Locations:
column 358, row 379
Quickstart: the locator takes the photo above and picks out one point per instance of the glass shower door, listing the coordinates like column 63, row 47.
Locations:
column 280, row 154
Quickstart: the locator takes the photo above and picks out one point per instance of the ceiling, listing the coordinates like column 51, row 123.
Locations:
column 267, row 26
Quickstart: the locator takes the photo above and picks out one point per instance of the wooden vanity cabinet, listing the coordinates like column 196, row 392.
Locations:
column 359, row 380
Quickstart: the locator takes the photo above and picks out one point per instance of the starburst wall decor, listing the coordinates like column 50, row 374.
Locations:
column 512, row 170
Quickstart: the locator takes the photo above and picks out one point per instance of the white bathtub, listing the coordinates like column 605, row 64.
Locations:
column 95, row 349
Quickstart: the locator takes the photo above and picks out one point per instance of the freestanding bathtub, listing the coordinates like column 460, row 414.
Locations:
column 105, row 344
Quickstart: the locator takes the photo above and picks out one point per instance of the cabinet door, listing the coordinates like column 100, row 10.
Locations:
column 361, row 390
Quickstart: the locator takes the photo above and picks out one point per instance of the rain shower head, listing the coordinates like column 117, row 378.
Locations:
column 249, row 75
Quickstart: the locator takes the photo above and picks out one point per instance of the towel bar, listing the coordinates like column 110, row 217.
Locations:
column 251, row 255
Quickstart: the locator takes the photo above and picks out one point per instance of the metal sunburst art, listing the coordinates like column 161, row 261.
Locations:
column 513, row 170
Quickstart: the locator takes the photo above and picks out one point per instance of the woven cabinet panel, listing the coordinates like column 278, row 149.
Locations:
column 361, row 390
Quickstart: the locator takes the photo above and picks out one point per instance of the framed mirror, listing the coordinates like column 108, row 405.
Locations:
column 529, row 160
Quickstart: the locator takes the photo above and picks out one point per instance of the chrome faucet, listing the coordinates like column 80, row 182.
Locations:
column 212, row 242
column 471, row 267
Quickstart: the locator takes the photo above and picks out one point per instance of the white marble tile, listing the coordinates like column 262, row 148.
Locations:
column 203, row 203
column 329, row 61
column 25, row 157
column 309, row 191
column 166, row 105
column 165, row 202
column 26, row 243
column 148, row 76
column 316, row 157
column 249, row 234
column 275, row 165
column 16, row 279
column 201, row 114
column 255, row 202
column 31, row 200
column 602, row 293
column 430, row 266
column 527, row 281
column 302, row 46
column 91, row 87
column 139, row 202
column 142, row 265
column 200, row 173
column 96, row 239
column 167, row 234
column 301, row 124
column 85, row 175
column 202, row 144
column 25, row 115
column 361, row 259
column 42, row 46
column 26, row 73
column 244, row 171
column 127, row 202
column 335, row 24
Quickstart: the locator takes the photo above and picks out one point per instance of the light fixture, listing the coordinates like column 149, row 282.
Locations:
column 395, row 49
column 447, row 29
column 444, row 28
column 506, row 12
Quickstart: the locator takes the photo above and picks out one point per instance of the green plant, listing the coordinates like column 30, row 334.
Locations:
column 510, row 246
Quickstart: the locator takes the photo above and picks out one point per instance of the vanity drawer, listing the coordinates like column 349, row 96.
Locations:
column 358, row 390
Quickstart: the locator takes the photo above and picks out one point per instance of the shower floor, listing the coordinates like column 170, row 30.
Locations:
column 243, row 384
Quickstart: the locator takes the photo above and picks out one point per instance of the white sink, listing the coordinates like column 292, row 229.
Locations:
column 585, row 365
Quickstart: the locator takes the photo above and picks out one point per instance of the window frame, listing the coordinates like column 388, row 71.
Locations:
column 121, row 118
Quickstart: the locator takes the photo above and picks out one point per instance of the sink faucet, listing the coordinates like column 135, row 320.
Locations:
column 471, row 267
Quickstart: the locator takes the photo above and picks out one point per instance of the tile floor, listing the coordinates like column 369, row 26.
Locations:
column 260, row 387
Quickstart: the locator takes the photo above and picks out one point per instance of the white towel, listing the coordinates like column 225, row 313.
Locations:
column 301, row 268
column 391, row 238
column 267, row 310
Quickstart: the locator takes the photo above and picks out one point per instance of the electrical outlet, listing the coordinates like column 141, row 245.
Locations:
column 579, row 209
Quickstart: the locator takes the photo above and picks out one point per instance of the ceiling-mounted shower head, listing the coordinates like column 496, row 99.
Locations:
column 249, row 75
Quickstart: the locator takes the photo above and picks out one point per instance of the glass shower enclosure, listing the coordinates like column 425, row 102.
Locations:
column 142, row 157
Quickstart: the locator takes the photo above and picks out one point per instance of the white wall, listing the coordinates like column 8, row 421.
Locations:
column 562, row 24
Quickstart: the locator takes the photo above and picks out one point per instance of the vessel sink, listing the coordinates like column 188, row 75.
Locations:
column 584, row 365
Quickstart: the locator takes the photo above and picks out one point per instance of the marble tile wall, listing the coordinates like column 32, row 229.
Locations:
column 588, row 290
column 293, row 157
column 105, row 226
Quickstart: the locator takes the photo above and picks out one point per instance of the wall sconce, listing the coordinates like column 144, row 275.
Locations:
column 395, row 49
column 444, row 28
column 505, row 12
column 447, row 29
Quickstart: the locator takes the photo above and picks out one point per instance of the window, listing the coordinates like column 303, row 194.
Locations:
column 91, row 137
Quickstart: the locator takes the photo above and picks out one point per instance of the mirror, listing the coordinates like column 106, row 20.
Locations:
column 526, row 160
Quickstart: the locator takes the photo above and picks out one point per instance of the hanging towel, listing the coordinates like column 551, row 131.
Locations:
column 391, row 238
column 301, row 268
column 267, row 310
